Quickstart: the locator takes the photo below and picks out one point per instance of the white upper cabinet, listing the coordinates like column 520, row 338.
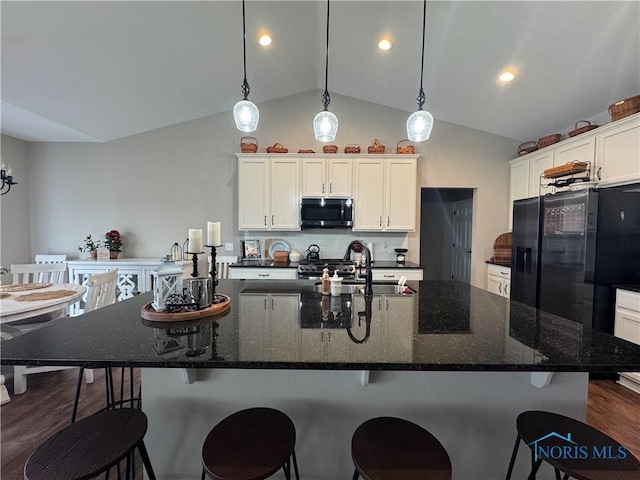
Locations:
column 618, row 152
column 385, row 194
column 268, row 193
column 327, row 177
column 538, row 163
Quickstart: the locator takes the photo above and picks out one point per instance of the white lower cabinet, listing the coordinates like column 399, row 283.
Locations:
column 627, row 326
column 258, row 273
column 499, row 280
column 325, row 345
column 395, row 274
column 269, row 323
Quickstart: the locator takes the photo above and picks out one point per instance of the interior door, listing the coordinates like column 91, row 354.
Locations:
column 462, row 222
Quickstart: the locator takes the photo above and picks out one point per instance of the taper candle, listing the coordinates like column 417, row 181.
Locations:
column 195, row 240
column 213, row 234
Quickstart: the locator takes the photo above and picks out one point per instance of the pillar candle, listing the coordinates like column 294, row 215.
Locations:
column 213, row 234
column 195, row 240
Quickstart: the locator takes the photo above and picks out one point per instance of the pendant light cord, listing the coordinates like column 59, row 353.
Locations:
column 421, row 96
column 326, row 98
column 245, row 85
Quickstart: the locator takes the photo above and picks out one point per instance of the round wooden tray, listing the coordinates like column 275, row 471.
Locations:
column 148, row 313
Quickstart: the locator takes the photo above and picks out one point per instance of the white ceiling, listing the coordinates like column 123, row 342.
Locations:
column 98, row 71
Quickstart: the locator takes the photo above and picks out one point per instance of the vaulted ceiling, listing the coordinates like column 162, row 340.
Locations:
column 98, row 71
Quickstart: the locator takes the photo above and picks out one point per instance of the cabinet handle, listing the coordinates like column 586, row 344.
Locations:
column 389, row 275
column 322, row 336
column 386, row 300
column 379, row 305
column 506, row 291
column 272, row 217
column 500, row 287
column 599, row 171
column 380, row 221
column 331, row 187
column 272, row 304
column 503, row 273
column 265, row 303
column 265, row 219
column 387, row 221
column 323, row 188
column 263, row 274
column 329, row 336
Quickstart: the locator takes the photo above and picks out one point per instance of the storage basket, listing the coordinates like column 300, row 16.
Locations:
column 527, row 147
column 330, row 149
column 405, row 147
column 248, row 145
column 624, row 108
column 567, row 169
column 352, row 148
column 502, row 249
column 586, row 128
column 306, row 151
column 548, row 140
column 376, row 147
column 277, row 148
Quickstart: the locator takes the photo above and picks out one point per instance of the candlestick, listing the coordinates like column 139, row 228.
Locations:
column 213, row 234
column 214, row 276
column 195, row 240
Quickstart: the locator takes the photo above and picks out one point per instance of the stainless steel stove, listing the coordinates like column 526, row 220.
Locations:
column 313, row 268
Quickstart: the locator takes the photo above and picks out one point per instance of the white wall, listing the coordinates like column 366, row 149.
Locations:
column 14, row 207
column 154, row 186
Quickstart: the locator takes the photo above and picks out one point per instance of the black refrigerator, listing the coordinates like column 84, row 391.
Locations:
column 570, row 248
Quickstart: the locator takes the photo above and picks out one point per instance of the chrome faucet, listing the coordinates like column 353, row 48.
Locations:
column 368, row 286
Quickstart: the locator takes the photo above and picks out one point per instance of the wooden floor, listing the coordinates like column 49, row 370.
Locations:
column 46, row 407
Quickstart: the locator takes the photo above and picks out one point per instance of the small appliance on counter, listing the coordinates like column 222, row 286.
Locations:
column 313, row 252
column 400, row 254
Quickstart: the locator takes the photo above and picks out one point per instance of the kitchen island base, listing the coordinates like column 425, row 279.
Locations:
column 473, row 414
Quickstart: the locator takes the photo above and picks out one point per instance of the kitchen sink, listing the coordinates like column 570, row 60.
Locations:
column 378, row 289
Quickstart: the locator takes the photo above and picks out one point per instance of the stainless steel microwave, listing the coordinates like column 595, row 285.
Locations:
column 326, row 213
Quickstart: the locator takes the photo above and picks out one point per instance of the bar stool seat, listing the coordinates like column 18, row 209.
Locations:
column 554, row 438
column 90, row 446
column 388, row 448
column 251, row 444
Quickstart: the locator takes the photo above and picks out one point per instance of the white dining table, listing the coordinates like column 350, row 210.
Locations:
column 12, row 310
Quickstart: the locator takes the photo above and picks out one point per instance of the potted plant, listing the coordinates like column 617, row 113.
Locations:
column 113, row 242
column 90, row 246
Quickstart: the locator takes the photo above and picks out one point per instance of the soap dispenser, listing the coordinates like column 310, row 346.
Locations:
column 326, row 284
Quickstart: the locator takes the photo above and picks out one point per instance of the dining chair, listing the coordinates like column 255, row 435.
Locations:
column 39, row 272
column 222, row 264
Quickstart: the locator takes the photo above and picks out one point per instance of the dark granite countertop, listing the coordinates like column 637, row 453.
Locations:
column 279, row 324
column 265, row 262
column 502, row 264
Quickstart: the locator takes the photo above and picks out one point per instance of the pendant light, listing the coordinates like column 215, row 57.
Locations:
column 325, row 124
column 420, row 122
column 245, row 113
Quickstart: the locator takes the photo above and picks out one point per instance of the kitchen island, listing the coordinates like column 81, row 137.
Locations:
column 452, row 358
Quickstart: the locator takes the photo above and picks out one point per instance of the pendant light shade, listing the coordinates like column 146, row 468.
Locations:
column 325, row 124
column 420, row 122
column 245, row 113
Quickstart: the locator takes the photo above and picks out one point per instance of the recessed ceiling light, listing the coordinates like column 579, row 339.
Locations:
column 506, row 76
column 265, row 40
column 385, row 44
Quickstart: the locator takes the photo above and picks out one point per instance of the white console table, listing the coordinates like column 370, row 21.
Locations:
column 134, row 275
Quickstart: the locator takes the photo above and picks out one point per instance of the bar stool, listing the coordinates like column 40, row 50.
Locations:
column 251, row 444
column 386, row 448
column 555, row 439
column 91, row 446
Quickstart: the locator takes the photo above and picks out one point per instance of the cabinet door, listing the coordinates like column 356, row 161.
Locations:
column 495, row 284
column 398, row 328
column 337, row 345
column 340, row 177
column 314, row 177
column 371, row 349
column 253, row 320
column 400, row 195
column 579, row 149
column 538, row 163
column 312, row 344
column 284, row 324
column 368, row 194
column 253, row 193
column 618, row 159
column 285, row 194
